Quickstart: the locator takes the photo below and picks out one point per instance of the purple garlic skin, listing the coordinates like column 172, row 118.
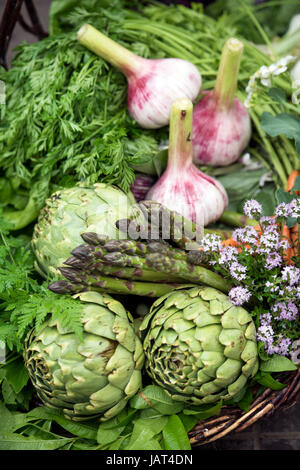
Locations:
column 141, row 185
column 191, row 193
column 220, row 134
column 156, row 85
column 183, row 187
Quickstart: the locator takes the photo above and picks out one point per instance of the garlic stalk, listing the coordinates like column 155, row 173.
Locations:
column 183, row 187
column 153, row 85
column 222, row 125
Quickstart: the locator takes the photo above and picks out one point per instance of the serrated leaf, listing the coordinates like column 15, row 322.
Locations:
column 283, row 123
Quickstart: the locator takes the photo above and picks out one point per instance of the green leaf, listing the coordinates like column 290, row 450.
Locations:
column 188, row 421
column 16, row 374
column 280, row 124
column 85, row 430
column 12, row 441
column 245, row 402
column 156, row 397
column 283, row 196
column 175, row 436
column 266, row 379
column 144, row 431
column 296, row 186
column 278, row 94
column 204, row 411
column 107, row 436
column 266, row 197
column 277, row 363
column 11, row 422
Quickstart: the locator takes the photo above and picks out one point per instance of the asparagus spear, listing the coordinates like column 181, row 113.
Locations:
column 91, row 261
column 113, row 286
column 134, row 274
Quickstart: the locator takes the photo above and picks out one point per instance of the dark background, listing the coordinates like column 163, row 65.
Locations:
column 278, row 432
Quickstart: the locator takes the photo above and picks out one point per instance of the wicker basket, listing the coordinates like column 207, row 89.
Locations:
column 231, row 418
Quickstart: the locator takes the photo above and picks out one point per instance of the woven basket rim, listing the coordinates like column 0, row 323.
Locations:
column 232, row 419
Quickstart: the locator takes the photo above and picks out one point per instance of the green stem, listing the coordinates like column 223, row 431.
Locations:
column 20, row 219
column 109, row 50
column 180, row 134
column 227, row 78
column 287, row 43
column 276, row 163
column 234, row 219
column 114, row 286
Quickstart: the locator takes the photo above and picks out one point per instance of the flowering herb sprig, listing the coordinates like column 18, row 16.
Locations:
column 255, row 260
column 265, row 75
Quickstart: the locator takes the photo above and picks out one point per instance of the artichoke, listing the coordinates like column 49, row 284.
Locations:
column 72, row 211
column 92, row 376
column 198, row 346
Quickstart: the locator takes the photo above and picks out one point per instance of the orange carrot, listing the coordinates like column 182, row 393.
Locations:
column 291, row 181
column 295, row 234
column 287, row 253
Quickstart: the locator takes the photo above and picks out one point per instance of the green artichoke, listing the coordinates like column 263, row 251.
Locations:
column 70, row 212
column 198, row 346
column 89, row 377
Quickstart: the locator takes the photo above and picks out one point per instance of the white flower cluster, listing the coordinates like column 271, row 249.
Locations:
column 265, row 74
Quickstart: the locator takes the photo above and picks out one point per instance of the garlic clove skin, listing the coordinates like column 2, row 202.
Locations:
column 183, row 187
column 219, row 134
column 141, row 185
column 152, row 91
column 153, row 84
column 193, row 194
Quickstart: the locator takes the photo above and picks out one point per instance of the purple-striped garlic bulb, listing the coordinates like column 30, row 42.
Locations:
column 183, row 187
column 221, row 123
column 153, row 84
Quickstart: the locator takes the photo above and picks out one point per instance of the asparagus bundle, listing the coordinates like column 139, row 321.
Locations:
column 150, row 265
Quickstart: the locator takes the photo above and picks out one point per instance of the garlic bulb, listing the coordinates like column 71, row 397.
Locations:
column 183, row 187
column 141, row 186
column 153, row 85
column 222, row 125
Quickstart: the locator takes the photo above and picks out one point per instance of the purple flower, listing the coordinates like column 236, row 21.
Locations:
column 265, row 333
column 291, row 274
column 282, row 210
column 252, row 209
column 266, row 221
column 247, row 234
column 211, row 243
column 238, row 271
column 283, row 345
column 295, row 208
column 265, row 318
column 285, row 311
column 269, row 241
column 239, row 295
column 273, row 260
column 228, row 254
